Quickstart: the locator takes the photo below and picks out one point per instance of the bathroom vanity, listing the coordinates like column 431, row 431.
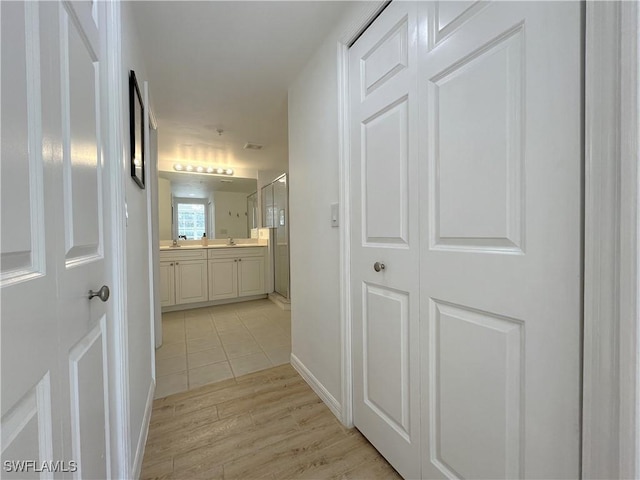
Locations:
column 193, row 276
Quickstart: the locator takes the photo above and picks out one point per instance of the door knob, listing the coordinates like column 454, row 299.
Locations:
column 378, row 266
column 103, row 293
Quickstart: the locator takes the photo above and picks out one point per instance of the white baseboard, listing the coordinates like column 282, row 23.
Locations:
column 144, row 432
column 279, row 300
column 317, row 387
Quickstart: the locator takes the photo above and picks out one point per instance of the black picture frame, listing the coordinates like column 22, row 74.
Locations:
column 136, row 129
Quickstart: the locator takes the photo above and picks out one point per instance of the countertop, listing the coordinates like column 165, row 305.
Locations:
column 195, row 247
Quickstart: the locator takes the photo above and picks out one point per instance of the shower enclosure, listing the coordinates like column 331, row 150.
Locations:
column 275, row 214
column 252, row 211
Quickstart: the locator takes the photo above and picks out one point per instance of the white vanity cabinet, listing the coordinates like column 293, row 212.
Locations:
column 223, row 278
column 167, row 284
column 236, row 272
column 183, row 277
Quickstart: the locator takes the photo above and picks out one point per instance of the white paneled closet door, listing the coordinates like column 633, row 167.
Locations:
column 493, row 181
column 55, row 387
column 384, row 244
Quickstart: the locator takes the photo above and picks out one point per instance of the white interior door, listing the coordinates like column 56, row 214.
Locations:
column 501, row 251
column 54, row 343
column 485, row 158
column 384, row 185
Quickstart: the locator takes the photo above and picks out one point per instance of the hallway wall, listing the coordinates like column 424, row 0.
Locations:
column 137, row 254
column 313, row 187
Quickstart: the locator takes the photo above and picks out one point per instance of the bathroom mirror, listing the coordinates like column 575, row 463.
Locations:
column 190, row 205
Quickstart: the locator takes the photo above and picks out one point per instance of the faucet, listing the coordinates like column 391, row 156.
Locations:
column 231, row 241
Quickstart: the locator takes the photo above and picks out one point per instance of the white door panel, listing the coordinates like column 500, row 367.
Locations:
column 468, row 188
column 54, row 342
column 385, row 230
column 89, row 403
column 83, row 321
column 385, row 356
column 30, row 394
column 502, row 264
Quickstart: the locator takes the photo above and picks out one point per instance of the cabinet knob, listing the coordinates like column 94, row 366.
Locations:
column 177, row 263
column 239, row 259
column 235, row 260
column 171, row 264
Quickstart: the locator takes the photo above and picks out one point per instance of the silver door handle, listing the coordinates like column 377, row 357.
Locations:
column 378, row 266
column 103, row 293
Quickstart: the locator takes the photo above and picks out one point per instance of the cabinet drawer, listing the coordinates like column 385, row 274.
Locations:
column 236, row 252
column 195, row 254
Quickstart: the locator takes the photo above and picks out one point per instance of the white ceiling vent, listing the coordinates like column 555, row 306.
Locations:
column 252, row 146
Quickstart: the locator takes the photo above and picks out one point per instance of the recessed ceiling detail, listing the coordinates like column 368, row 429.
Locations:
column 252, row 146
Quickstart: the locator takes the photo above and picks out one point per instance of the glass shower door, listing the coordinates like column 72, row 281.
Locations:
column 281, row 223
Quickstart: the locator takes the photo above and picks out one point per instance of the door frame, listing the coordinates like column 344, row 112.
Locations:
column 611, row 415
column 611, row 329
column 151, row 124
column 115, row 168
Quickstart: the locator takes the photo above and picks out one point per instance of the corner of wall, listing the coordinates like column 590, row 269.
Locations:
column 317, row 386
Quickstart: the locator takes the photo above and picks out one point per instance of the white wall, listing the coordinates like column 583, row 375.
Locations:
column 313, row 186
column 137, row 254
column 234, row 225
column 164, row 208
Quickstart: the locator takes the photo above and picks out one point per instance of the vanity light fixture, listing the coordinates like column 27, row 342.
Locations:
column 200, row 169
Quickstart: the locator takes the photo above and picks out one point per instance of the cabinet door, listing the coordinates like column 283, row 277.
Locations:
column 167, row 284
column 223, row 278
column 250, row 276
column 191, row 281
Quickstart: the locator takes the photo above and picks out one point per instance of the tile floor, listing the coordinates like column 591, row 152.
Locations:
column 208, row 345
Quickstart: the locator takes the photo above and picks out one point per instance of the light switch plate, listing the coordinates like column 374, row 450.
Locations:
column 335, row 219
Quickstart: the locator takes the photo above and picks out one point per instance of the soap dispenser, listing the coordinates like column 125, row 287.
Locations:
column 205, row 241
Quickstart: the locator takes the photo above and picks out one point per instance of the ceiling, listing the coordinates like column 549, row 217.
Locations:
column 227, row 65
column 199, row 186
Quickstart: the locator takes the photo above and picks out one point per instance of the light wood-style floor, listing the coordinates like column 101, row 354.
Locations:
column 268, row 424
